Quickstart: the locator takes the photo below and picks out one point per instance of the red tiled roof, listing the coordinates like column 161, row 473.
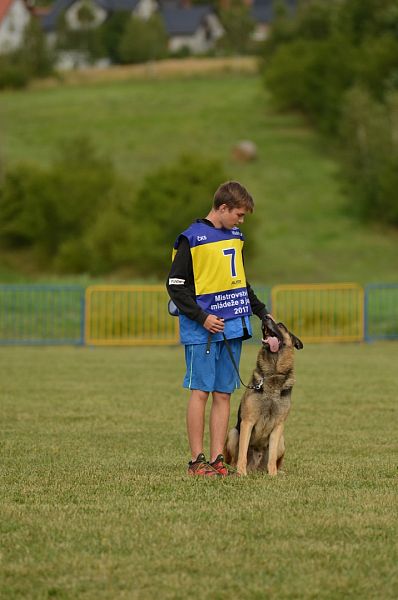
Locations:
column 40, row 11
column 4, row 6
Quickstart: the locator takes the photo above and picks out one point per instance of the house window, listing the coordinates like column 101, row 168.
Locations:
column 85, row 14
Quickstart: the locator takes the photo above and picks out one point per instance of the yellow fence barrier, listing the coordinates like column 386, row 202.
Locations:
column 137, row 315
column 128, row 315
column 321, row 312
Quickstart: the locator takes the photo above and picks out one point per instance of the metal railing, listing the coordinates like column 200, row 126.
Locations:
column 137, row 315
column 381, row 311
column 321, row 312
column 129, row 315
column 41, row 314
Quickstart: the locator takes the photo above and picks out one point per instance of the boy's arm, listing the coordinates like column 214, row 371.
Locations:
column 180, row 284
column 263, row 313
column 258, row 307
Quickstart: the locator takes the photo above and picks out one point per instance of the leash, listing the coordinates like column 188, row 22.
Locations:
column 258, row 387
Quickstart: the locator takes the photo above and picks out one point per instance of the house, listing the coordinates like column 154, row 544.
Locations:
column 262, row 13
column 196, row 28
column 83, row 14
column 14, row 17
column 88, row 14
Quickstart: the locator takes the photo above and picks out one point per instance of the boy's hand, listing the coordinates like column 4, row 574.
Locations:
column 214, row 324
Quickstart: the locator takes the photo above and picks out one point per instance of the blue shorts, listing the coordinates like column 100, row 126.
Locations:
column 212, row 372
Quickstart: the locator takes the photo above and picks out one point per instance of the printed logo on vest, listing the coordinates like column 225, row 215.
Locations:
column 201, row 238
column 175, row 281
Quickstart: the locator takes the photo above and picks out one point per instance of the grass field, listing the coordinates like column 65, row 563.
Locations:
column 95, row 502
column 303, row 233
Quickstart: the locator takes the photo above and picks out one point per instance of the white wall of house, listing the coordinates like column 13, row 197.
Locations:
column 202, row 40
column 145, row 8
column 260, row 32
column 215, row 27
column 13, row 25
column 197, row 43
column 72, row 14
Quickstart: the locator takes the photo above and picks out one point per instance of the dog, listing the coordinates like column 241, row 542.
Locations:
column 257, row 442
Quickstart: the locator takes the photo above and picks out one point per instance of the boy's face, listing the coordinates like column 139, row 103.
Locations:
column 231, row 217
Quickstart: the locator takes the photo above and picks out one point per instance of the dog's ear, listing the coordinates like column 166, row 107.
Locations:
column 297, row 343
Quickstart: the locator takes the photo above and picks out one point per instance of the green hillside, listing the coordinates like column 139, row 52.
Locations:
column 303, row 233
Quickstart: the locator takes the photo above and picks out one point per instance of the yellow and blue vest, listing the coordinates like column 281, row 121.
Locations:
column 220, row 280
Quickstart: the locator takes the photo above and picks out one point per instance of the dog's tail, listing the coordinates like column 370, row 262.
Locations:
column 231, row 448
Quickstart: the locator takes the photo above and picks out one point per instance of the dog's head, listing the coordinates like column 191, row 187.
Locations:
column 286, row 338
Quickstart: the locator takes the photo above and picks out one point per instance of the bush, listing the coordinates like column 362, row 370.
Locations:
column 311, row 76
column 183, row 52
column 108, row 242
column 369, row 132
column 143, row 40
column 339, row 61
column 310, row 21
column 32, row 59
column 168, row 201
column 79, row 216
column 12, row 74
column 26, row 208
column 51, row 211
column 312, row 60
column 377, row 67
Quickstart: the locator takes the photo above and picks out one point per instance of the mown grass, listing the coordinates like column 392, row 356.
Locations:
column 304, row 232
column 96, row 503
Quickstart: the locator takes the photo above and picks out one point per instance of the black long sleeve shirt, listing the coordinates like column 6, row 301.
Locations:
column 183, row 292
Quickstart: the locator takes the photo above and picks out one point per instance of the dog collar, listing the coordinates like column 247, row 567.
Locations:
column 259, row 386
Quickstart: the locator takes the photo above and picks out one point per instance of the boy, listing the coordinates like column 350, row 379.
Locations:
column 208, row 285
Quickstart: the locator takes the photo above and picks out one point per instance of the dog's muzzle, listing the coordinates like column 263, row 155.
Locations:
column 272, row 336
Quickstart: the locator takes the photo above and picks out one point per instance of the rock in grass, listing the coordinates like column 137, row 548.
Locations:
column 244, row 151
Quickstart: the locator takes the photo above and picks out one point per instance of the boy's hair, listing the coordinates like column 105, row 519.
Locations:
column 234, row 195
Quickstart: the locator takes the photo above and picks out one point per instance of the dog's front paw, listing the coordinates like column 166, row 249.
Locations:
column 272, row 470
column 241, row 470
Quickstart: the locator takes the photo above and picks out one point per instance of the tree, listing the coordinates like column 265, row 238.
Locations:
column 35, row 54
column 112, row 31
column 238, row 25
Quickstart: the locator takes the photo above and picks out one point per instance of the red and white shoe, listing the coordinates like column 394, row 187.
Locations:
column 222, row 468
column 200, row 467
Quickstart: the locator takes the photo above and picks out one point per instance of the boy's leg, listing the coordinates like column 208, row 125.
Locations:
column 219, row 419
column 196, row 421
column 226, row 379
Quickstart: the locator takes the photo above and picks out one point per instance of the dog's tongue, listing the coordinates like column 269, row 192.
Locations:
column 273, row 343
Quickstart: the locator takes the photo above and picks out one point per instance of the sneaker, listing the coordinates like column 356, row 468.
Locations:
column 201, row 467
column 222, row 468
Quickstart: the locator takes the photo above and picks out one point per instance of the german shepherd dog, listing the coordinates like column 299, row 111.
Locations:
column 257, row 442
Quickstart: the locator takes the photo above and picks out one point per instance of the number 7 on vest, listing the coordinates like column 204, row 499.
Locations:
column 231, row 252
